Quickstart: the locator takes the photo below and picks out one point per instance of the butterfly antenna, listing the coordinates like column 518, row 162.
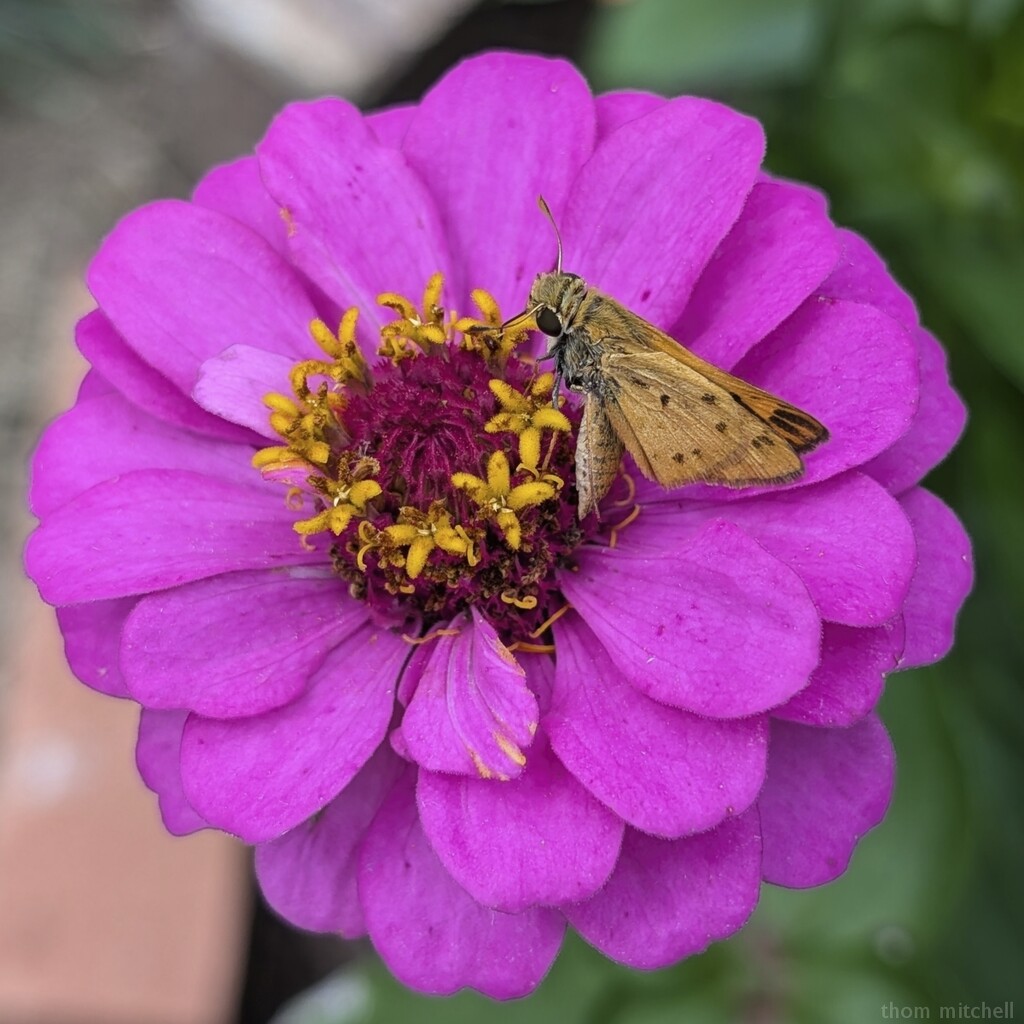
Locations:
column 546, row 210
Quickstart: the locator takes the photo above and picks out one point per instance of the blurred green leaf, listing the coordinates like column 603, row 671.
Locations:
column 665, row 44
column 46, row 40
column 579, row 982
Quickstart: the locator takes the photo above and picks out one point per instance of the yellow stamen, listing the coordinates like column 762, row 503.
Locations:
column 498, row 500
column 509, row 749
column 526, row 648
column 630, row 489
column 613, row 533
column 422, row 532
column 527, row 415
column 550, row 621
column 417, row 640
column 483, row 334
column 425, row 329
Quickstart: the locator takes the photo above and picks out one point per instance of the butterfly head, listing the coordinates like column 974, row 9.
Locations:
column 555, row 299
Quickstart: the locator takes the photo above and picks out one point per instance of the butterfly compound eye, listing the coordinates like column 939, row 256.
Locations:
column 548, row 322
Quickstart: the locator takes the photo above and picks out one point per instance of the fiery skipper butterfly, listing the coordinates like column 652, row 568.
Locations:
column 682, row 419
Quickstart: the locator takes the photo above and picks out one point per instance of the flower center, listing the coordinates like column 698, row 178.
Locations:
column 444, row 472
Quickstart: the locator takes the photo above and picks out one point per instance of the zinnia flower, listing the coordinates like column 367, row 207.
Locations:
column 325, row 533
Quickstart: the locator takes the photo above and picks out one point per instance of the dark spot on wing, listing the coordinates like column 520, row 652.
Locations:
column 756, row 443
column 639, row 382
column 796, row 418
column 709, row 398
column 679, row 458
column 786, row 426
column 664, row 401
column 695, row 452
column 720, row 426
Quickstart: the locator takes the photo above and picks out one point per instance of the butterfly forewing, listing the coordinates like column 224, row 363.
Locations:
column 793, row 425
column 682, row 427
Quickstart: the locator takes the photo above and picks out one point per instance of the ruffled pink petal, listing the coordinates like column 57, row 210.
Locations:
column 852, row 367
column 614, row 109
column 359, row 222
column 143, row 386
column 92, row 642
column 936, row 426
column 237, row 287
column 779, row 250
column 538, row 840
column 847, row 684
column 669, row 899
column 689, row 624
column 120, row 438
column 653, row 203
column 429, row 931
column 130, row 537
column 529, row 122
column 861, row 276
column 158, row 759
column 942, row 580
column 237, row 189
column 258, row 777
column 666, row 771
column 847, row 538
column 472, row 712
column 309, row 875
column 233, row 384
column 238, row 644
column 93, row 385
column 391, row 124
column 825, row 789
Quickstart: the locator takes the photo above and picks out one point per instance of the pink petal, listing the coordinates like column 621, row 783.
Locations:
column 666, row 771
column 652, row 204
column 126, row 536
column 849, row 365
column 540, row 839
column 936, row 427
column 258, row 777
column 145, row 387
column 93, row 385
column 472, row 712
column 614, row 109
column 158, row 759
column 360, row 223
column 430, row 932
column 238, row 644
column 862, row 276
column 237, row 190
column 825, row 789
column 942, row 580
column 233, row 384
column 529, row 122
column 779, row 250
column 309, row 875
column 391, row 124
column 119, row 438
column 847, row 538
column 847, row 684
column 92, row 642
column 669, row 899
column 689, row 625
column 237, row 287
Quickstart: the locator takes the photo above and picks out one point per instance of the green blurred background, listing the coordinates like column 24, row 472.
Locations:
column 910, row 115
